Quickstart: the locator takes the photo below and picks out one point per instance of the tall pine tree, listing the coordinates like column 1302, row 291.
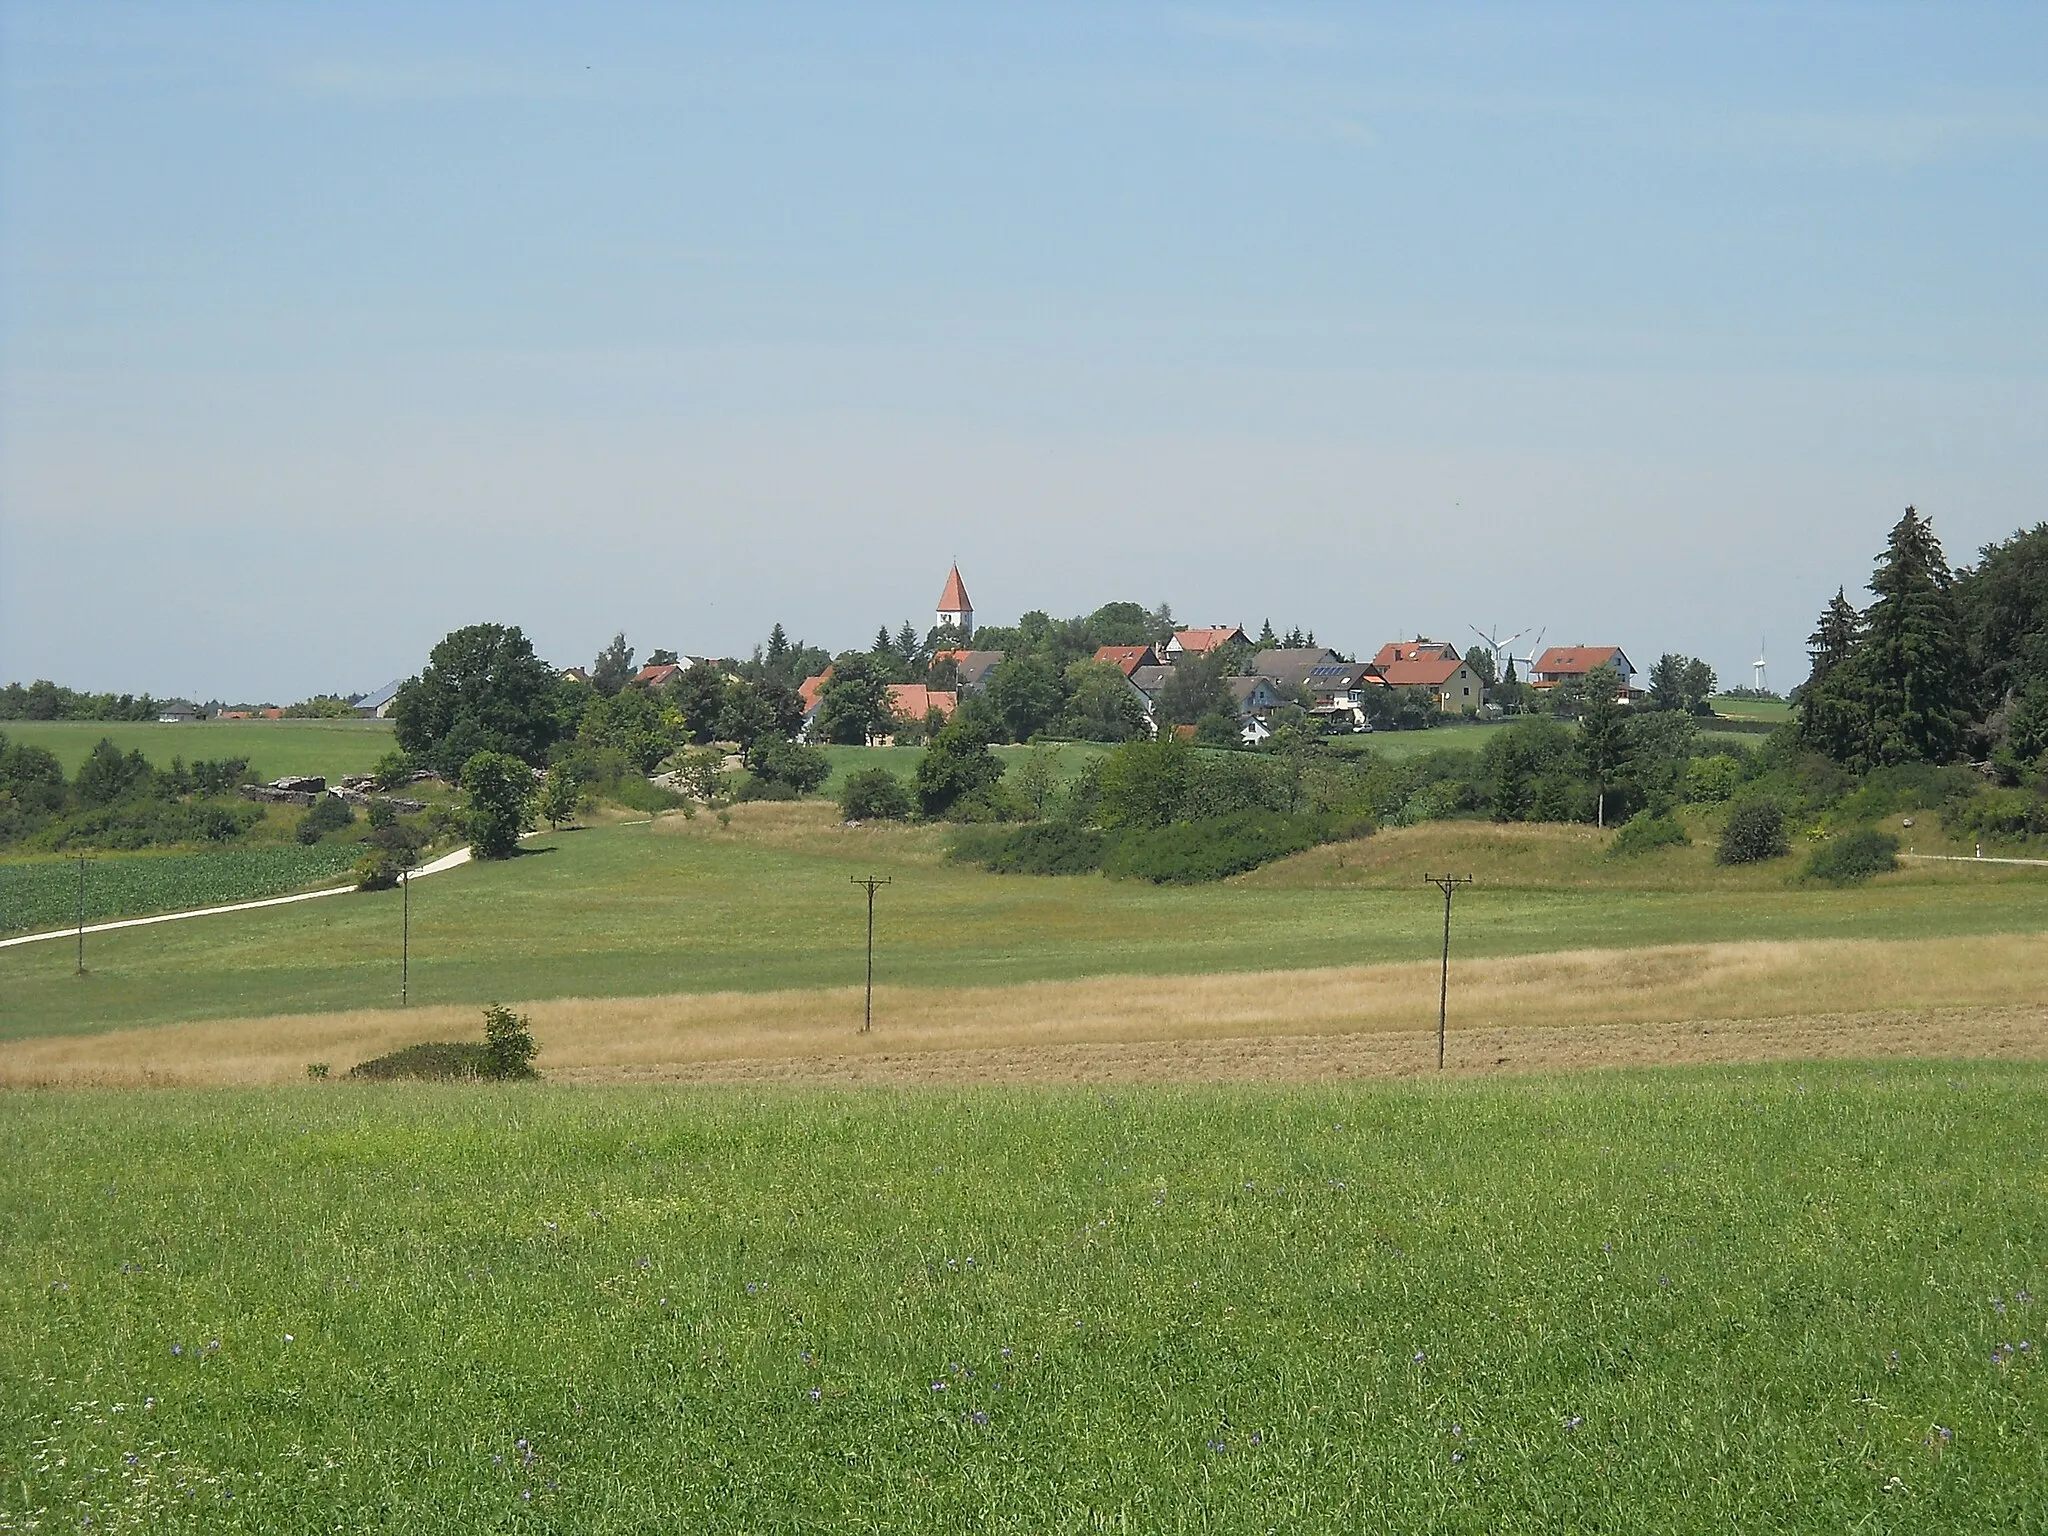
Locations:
column 1911, row 663
column 1831, row 708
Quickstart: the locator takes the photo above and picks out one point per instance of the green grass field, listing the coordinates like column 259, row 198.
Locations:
column 767, row 903
column 1760, row 1300
column 1772, row 711
column 274, row 748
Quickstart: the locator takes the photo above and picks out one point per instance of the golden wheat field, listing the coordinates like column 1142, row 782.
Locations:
column 1984, row 995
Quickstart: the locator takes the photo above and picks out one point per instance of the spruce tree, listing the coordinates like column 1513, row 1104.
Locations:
column 1831, row 708
column 1603, row 735
column 1911, row 664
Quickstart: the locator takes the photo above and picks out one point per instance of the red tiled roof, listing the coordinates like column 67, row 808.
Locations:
column 811, row 687
column 1428, row 670
column 1200, row 642
column 914, row 701
column 1396, row 651
column 1127, row 658
column 656, row 676
column 954, row 598
column 1574, row 660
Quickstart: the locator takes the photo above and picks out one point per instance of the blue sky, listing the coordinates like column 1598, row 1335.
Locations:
column 326, row 329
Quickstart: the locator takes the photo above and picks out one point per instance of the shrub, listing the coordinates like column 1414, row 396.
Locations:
column 874, row 794
column 957, row 766
column 330, row 813
column 1049, row 848
column 1190, row 853
column 1854, row 856
column 393, row 769
column 753, row 788
column 1712, row 780
column 778, row 760
column 505, row 1055
column 1998, row 814
column 1755, row 832
column 377, row 871
column 508, row 1043
column 1643, row 832
column 500, row 789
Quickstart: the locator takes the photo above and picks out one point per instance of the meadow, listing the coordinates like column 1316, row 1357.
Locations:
column 1757, row 1300
column 762, row 900
column 274, row 748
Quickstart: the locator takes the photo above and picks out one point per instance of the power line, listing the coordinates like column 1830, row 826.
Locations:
column 1447, row 884
column 870, row 882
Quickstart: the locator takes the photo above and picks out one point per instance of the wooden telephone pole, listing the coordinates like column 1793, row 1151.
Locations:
column 1447, row 884
column 870, row 882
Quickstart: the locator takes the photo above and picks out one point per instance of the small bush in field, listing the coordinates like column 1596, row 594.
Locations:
column 1643, row 832
column 1854, row 856
column 1755, row 832
column 1050, row 848
column 874, row 794
column 506, row 1054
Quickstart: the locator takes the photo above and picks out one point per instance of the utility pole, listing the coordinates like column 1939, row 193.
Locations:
column 1448, row 884
column 81, row 914
column 870, row 882
column 405, row 938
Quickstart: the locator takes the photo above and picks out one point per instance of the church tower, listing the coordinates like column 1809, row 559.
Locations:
column 954, row 607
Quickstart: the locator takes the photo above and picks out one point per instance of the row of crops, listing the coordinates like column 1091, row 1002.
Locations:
column 44, row 894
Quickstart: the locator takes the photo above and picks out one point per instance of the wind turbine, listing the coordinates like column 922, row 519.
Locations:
column 1756, row 670
column 1495, row 645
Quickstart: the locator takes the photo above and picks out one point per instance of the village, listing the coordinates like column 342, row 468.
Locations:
column 1268, row 679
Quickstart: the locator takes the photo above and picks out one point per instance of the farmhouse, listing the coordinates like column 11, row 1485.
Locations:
column 1435, row 665
column 1290, row 669
column 970, row 668
column 1127, row 658
column 1571, row 663
column 1337, row 692
column 377, row 706
column 915, row 703
column 178, row 712
column 1200, row 642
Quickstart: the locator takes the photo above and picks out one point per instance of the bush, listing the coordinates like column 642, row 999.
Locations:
column 505, row 1055
column 1999, row 814
column 393, row 769
column 377, row 871
column 778, row 760
column 1712, row 780
column 1190, row 853
column 500, row 789
column 874, row 794
column 753, row 788
column 330, row 813
column 1854, row 856
column 1643, row 832
column 1755, row 832
column 1049, row 849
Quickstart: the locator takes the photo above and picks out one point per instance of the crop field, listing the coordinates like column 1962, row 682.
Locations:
column 274, row 748
column 1755, row 1300
column 44, row 893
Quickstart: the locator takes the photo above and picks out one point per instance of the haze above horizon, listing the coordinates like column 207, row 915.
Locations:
column 324, row 331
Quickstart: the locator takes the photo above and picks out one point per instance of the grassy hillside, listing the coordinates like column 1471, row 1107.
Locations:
column 1752, row 1300
column 764, row 901
column 274, row 748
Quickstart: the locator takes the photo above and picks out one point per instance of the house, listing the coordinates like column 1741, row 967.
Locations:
column 1434, row 665
column 377, row 706
column 1149, row 680
column 1337, row 692
column 1571, row 663
column 576, row 675
column 178, row 712
column 271, row 713
column 1127, row 658
column 916, row 703
column 1200, row 642
column 1255, row 695
column 657, row 677
column 812, row 689
column 956, row 612
column 1289, row 669
column 1395, row 652
column 970, row 668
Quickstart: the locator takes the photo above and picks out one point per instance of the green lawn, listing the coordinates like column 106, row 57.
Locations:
column 274, row 748
column 1764, row 1300
column 1775, row 711
column 1068, row 756
column 768, row 903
